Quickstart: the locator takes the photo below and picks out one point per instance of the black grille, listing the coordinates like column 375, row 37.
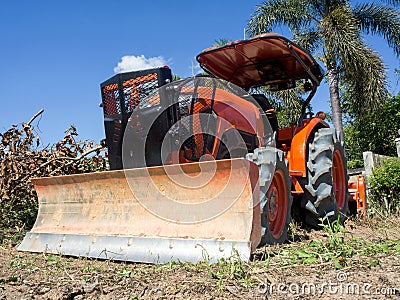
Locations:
column 111, row 101
column 198, row 102
column 121, row 95
column 136, row 90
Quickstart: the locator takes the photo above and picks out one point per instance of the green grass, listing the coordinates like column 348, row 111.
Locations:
column 339, row 249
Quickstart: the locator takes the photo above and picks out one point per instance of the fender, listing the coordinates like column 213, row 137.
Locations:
column 298, row 149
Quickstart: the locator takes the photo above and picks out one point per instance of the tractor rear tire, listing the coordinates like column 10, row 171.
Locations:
column 325, row 187
column 276, row 209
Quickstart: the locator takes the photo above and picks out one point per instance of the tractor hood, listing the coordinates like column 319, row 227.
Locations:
column 268, row 59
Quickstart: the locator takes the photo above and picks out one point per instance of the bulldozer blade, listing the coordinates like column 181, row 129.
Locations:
column 148, row 215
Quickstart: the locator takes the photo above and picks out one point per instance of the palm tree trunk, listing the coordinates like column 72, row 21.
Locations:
column 333, row 82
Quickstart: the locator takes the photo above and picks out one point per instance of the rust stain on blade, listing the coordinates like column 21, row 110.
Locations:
column 148, row 202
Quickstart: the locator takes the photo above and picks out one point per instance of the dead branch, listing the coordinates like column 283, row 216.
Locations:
column 35, row 116
column 21, row 159
column 61, row 158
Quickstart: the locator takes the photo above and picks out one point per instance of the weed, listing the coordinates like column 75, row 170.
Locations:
column 339, row 248
column 373, row 262
column 11, row 236
column 53, row 259
column 29, row 264
column 294, row 229
column 125, row 273
column 231, row 268
column 17, row 262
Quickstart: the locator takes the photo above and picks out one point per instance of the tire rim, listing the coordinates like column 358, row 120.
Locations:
column 277, row 204
column 339, row 180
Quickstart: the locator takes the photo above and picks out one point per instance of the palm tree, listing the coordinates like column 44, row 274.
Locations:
column 332, row 30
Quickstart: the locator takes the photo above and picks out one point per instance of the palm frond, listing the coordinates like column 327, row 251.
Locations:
column 293, row 13
column 326, row 7
column 340, row 31
column 366, row 81
column 220, row 42
column 291, row 103
column 310, row 40
column 380, row 20
column 362, row 68
column 393, row 2
column 287, row 102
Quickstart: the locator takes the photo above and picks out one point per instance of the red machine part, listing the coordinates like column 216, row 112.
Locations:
column 357, row 195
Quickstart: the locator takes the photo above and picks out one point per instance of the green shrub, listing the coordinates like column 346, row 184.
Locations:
column 385, row 188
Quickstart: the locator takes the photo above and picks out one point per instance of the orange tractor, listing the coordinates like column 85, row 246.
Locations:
column 200, row 168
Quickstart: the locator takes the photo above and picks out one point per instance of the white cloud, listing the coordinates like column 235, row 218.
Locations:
column 135, row 63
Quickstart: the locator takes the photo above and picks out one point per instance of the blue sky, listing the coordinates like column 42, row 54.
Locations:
column 55, row 54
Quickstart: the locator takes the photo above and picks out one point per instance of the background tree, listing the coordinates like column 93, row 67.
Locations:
column 375, row 131
column 287, row 103
column 333, row 31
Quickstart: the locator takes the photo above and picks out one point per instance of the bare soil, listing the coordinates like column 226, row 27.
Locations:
column 267, row 276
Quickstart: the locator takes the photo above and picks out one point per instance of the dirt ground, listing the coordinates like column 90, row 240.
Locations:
column 276, row 272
